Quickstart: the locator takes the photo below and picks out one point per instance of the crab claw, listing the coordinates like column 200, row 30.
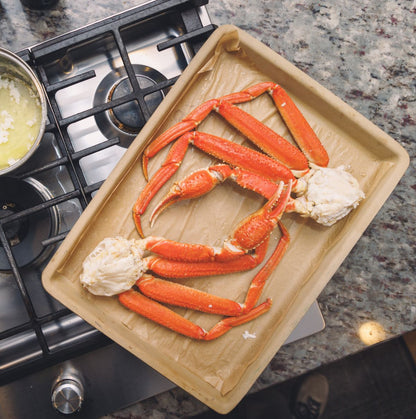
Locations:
column 195, row 185
column 256, row 228
column 203, row 181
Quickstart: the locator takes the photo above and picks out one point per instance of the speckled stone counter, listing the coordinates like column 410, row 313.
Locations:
column 364, row 52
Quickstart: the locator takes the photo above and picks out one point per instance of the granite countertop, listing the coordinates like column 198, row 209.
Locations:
column 365, row 54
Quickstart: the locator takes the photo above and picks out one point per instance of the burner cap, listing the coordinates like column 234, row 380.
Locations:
column 26, row 234
column 125, row 117
column 125, row 121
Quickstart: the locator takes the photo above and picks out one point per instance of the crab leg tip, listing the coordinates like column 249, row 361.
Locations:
column 170, row 199
column 145, row 161
column 137, row 222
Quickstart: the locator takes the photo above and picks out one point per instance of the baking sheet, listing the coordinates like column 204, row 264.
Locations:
column 220, row 372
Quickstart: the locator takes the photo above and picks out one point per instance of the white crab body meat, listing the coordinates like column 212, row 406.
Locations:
column 113, row 266
column 329, row 195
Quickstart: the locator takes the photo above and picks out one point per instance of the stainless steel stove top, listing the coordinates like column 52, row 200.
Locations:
column 151, row 67
column 103, row 82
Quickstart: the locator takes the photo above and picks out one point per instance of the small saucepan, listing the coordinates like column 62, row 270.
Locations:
column 22, row 112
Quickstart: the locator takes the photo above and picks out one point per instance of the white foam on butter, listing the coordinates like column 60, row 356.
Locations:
column 20, row 119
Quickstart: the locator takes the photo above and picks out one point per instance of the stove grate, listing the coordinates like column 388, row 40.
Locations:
column 194, row 34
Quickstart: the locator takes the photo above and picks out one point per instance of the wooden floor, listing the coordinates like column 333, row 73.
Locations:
column 379, row 382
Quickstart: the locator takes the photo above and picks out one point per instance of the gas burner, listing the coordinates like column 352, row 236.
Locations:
column 125, row 121
column 27, row 233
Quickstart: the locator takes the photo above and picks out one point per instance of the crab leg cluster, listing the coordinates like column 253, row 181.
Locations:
column 244, row 250
column 282, row 157
column 277, row 171
column 154, row 291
